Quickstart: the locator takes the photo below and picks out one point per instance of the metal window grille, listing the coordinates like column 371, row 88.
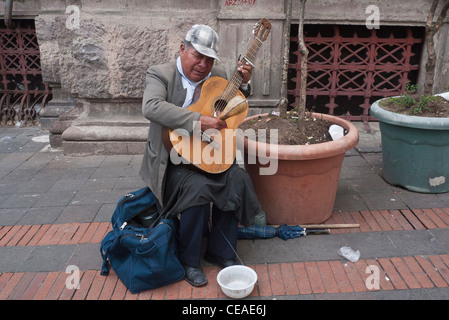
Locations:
column 22, row 91
column 349, row 67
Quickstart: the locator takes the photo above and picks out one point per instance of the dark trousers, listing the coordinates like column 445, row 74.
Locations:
column 193, row 226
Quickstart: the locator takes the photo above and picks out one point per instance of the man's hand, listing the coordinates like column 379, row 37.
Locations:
column 246, row 71
column 210, row 122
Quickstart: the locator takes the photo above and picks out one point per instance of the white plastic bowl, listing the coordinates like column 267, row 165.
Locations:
column 237, row 281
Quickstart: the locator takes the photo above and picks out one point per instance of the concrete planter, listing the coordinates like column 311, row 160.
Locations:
column 415, row 150
column 303, row 188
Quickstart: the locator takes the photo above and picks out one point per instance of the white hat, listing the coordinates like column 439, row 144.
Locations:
column 204, row 39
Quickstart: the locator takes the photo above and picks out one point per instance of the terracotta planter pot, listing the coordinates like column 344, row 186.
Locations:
column 303, row 187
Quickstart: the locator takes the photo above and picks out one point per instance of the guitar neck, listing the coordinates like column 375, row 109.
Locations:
column 236, row 80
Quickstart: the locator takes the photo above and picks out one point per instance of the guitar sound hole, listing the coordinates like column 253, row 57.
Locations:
column 220, row 104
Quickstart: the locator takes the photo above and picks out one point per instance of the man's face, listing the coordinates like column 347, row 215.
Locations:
column 195, row 65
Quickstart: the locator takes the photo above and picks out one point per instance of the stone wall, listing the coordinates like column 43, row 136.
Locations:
column 107, row 54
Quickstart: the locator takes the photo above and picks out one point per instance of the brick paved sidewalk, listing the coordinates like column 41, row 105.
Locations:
column 282, row 279
column 54, row 211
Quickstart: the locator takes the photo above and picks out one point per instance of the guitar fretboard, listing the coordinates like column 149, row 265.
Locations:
column 234, row 84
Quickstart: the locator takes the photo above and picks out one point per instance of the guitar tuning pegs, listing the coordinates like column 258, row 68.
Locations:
column 256, row 26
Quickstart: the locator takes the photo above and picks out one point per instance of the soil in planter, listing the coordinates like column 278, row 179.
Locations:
column 317, row 130
column 434, row 107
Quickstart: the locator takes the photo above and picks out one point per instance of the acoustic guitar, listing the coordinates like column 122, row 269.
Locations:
column 214, row 151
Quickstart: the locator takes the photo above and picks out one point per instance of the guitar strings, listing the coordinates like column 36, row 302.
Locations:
column 232, row 87
column 237, row 79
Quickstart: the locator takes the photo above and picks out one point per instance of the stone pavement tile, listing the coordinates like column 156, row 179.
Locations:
column 443, row 197
column 16, row 257
column 60, row 161
column 383, row 201
column 39, row 160
column 108, row 172
column 343, row 296
column 349, row 202
column 18, row 175
column 370, row 183
column 55, row 199
column 351, row 172
column 7, row 188
column 438, row 293
column 42, row 215
column 129, row 183
column 97, row 184
column 66, row 184
column 20, row 201
column 105, row 212
column 309, row 248
column 136, row 160
column 417, row 200
column 84, row 197
column 88, row 161
column 369, row 141
column 396, row 243
column 6, row 168
column 17, row 158
column 9, row 132
column 373, row 159
column 12, row 145
column 78, row 213
column 46, row 258
column 131, row 171
column 37, row 186
column 86, row 257
column 422, row 294
column 354, row 161
column 117, row 161
column 78, row 173
column 115, row 195
column 442, row 237
column 49, row 173
column 32, row 146
column 10, row 217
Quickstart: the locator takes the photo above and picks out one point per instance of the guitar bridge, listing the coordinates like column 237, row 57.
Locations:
column 207, row 138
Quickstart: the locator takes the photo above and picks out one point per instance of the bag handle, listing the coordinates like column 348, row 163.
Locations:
column 104, row 250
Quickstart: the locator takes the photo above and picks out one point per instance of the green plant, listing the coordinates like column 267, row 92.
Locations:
column 424, row 104
column 411, row 102
column 406, row 100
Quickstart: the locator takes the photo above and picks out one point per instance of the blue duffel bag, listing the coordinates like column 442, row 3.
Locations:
column 143, row 257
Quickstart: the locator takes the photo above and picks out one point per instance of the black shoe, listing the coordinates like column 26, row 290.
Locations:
column 219, row 261
column 195, row 276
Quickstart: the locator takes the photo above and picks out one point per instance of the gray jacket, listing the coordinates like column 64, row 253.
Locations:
column 162, row 100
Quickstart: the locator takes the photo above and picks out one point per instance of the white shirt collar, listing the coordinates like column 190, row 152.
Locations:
column 187, row 84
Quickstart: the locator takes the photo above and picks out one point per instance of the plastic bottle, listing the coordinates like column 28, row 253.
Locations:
column 336, row 132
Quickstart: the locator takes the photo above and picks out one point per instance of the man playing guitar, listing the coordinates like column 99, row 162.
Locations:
column 180, row 189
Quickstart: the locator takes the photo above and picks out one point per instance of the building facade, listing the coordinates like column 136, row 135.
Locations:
column 94, row 55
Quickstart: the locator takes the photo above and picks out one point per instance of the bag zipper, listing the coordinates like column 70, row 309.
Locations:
column 126, row 197
column 143, row 236
column 123, row 226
